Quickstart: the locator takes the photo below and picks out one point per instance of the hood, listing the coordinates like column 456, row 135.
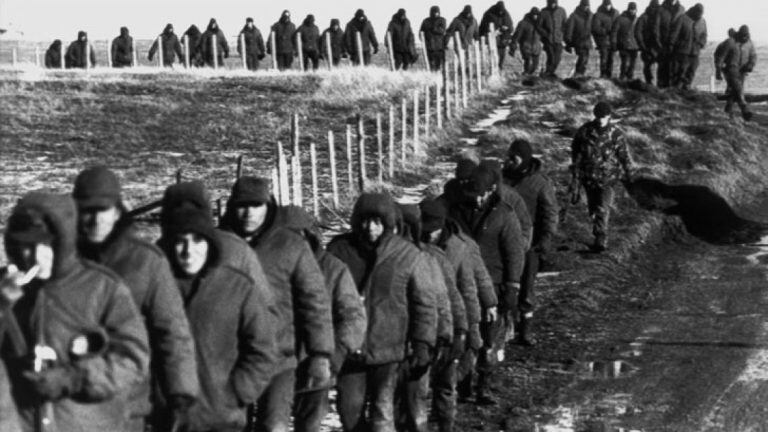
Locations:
column 309, row 20
column 434, row 11
column 212, row 25
column 581, row 11
column 190, row 219
column 124, row 32
column 552, row 4
column 335, row 22
column 408, row 222
column 192, row 31
column 181, row 194
column 378, row 205
column 653, row 6
column 59, row 215
column 285, row 17
column 245, row 26
column 399, row 15
column 168, row 29
column 81, row 34
column 466, row 12
column 360, row 14
column 696, row 12
column 606, row 8
column 57, row 44
column 297, row 219
column 533, row 15
column 743, row 34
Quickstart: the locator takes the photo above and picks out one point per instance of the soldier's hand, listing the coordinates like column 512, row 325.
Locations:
column 11, row 285
column 319, row 372
column 55, row 383
column 375, row 49
column 459, row 345
column 719, row 75
column 491, row 314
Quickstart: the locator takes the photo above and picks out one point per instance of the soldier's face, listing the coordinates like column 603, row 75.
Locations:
column 29, row 255
column 604, row 121
column 434, row 236
column 373, row 228
column 483, row 198
column 96, row 224
column 514, row 161
column 190, row 252
column 251, row 217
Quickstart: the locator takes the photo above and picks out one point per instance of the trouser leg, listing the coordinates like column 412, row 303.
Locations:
column 309, row 410
column 582, row 61
column 665, row 70
column 525, row 299
column 648, row 61
column 549, row 50
column 690, row 73
column 412, row 401
column 274, row 406
column 631, row 62
column 351, row 391
column 382, row 381
column 600, row 202
column 502, row 56
column 444, row 394
column 557, row 54
column 366, row 58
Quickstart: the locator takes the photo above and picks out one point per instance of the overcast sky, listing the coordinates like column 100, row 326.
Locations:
column 48, row 19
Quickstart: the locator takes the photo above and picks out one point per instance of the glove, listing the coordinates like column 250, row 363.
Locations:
column 375, row 49
column 420, row 359
column 345, row 56
column 719, row 75
column 261, row 56
column 319, row 372
column 56, row 383
column 180, row 405
column 491, row 314
column 459, row 344
column 569, row 49
column 474, row 338
column 226, row 54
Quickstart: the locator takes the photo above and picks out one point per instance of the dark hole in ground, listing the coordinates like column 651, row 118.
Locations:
column 704, row 213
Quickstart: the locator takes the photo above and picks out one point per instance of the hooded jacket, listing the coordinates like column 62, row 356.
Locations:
column 623, row 33
column 337, row 40
column 466, row 24
column 646, row 30
column 283, row 31
column 76, row 53
column 254, row 42
column 391, row 276
column 434, row 29
column 668, row 14
column 347, row 309
column 80, row 298
column 401, row 33
column 539, row 197
column 193, row 36
column 122, row 49
column 148, row 276
column 502, row 23
column 303, row 303
column 171, row 47
column 205, row 44
column 309, row 34
column 696, row 13
column 552, row 25
column 53, row 55
column 602, row 23
column 9, row 416
column 234, row 332
column 367, row 35
column 527, row 37
column 578, row 29
column 739, row 57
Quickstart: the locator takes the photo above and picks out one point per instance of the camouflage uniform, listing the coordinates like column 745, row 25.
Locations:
column 600, row 156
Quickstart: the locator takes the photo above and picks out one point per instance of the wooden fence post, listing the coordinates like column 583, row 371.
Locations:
column 315, row 198
column 109, row 54
column 14, row 56
column 350, row 170
column 297, row 175
column 300, row 50
column 463, row 65
column 390, row 52
column 215, row 52
column 243, row 51
column 424, row 51
column 360, row 58
column 439, row 103
column 187, row 63
column 37, row 56
column 415, row 121
column 361, row 153
column 275, row 176
column 427, row 111
column 478, row 67
column 298, row 198
column 404, row 131
column 282, row 166
column 63, row 61
column 379, row 149
column 273, row 45
column 391, row 142
column 456, row 89
column 447, row 87
column 328, row 48
column 87, row 55
column 179, row 175
column 334, row 179
column 239, row 170
column 160, row 52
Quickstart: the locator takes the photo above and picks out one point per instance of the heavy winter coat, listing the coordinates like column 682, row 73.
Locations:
column 367, row 35
column 602, row 23
column 578, row 29
column 171, row 48
column 623, row 33
column 540, row 200
column 498, row 234
column 699, row 34
column 434, row 29
column 303, row 303
column 552, row 25
column 309, row 35
column 254, row 42
column 486, row 293
column 600, row 154
column 337, row 41
column 205, row 44
column 399, row 300
column 235, row 338
column 646, row 31
column 502, row 23
column 348, row 310
column 738, row 58
column 666, row 19
column 527, row 37
column 520, row 211
column 148, row 276
column 681, row 37
column 441, row 283
column 458, row 306
column 53, row 55
column 80, row 297
column 458, row 253
column 402, row 36
column 122, row 49
column 283, row 31
column 192, row 35
column 468, row 29
column 76, row 55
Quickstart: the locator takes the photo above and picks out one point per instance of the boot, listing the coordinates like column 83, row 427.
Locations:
column 601, row 243
column 484, row 396
column 522, row 337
